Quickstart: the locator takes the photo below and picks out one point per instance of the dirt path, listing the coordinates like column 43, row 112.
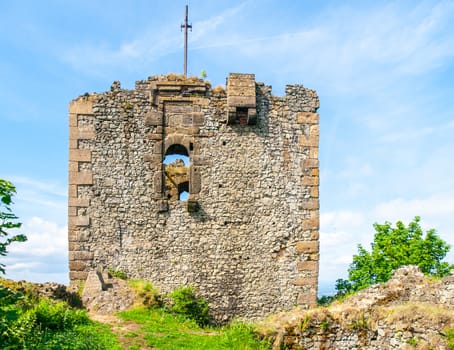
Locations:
column 129, row 333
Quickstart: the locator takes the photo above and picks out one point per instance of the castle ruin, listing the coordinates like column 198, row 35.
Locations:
column 247, row 234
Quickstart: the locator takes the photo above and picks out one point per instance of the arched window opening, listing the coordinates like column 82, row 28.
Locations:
column 176, row 168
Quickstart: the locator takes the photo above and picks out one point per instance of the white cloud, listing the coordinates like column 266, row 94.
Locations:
column 43, row 256
column 341, row 220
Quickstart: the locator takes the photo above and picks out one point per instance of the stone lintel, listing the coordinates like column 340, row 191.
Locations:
column 242, row 101
column 307, row 247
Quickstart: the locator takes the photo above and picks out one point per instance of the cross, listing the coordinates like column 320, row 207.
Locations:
column 185, row 25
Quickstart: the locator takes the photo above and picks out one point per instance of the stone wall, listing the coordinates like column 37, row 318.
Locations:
column 410, row 311
column 247, row 237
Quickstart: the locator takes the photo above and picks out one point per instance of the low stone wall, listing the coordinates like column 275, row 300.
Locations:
column 411, row 311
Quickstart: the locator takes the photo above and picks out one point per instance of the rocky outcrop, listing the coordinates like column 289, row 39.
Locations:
column 104, row 294
column 410, row 311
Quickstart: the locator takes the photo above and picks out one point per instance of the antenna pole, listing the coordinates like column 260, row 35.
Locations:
column 186, row 26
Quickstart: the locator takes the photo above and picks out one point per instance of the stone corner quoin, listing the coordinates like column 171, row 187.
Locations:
column 237, row 217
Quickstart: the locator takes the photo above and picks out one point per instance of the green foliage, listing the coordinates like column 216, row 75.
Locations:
column 8, row 220
column 392, row 248
column 169, row 331
column 30, row 323
column 413, row 341
column 186, row 302
column 203, row 74
column 118, row 274
column 149, row 294
column 449, row 333
column 325, row 300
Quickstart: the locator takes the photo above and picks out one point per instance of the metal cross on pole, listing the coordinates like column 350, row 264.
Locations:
column 185, row 26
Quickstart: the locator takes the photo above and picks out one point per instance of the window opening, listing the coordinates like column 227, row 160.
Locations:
column 241, row 115
column 176, row 169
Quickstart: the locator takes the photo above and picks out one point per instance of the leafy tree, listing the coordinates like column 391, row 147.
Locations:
column 394, row 247
column 8, row 220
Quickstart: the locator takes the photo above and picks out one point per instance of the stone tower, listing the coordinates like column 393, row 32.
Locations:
column 246, row 236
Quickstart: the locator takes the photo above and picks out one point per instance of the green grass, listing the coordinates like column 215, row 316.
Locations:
column 167, row 331
column 450, row 338
column 30, row 322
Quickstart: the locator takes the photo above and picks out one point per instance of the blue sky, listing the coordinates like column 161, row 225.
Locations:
column 384, row 72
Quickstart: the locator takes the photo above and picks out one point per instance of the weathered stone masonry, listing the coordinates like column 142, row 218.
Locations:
column 247, row 237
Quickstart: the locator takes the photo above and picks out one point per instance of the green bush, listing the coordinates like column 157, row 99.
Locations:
column 185, row 302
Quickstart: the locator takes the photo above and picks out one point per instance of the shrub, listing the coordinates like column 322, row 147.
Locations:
column 185, row 302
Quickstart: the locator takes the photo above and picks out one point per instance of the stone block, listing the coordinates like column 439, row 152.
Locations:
column 73, row 166
column 315, row 235
column 311, row 224
column 314, row 130
column 82, row 105
column 77, row 265
column 195, row 183
column 73, row 144
column 308, row 298
column 198, row 119
column 80, row 155
column 76, row 236
column 87, row 132
column 80, row 255
column 310, row 163
column 83, row 220
column 310, row 181
column 307, row 266
column 72, row 211
column 313, row 152
column 307, row 247
column 314, row 192
column 307, row 118
column 308, row 140
column 81, row 178
column 73, row 120
column 78, row 202
column 154, row 136
column 157, row 182
column 305, row 281
column 72, row 191
column 78, row 275
column 241, row 101
column 153, row 119
column 311, row 203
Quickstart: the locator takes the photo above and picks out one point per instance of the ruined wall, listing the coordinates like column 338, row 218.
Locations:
column 247, row 237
